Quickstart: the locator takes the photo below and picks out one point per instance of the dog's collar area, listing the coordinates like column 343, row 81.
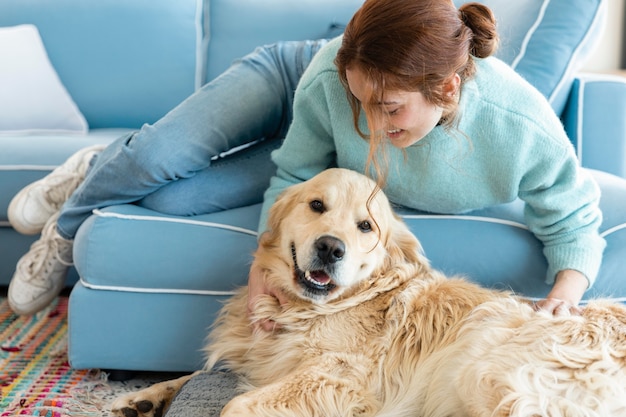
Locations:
column 316, row 283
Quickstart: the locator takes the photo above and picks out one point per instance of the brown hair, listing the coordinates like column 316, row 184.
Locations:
column 412, row 45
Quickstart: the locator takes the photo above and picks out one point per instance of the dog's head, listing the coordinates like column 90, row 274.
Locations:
column 332, row 233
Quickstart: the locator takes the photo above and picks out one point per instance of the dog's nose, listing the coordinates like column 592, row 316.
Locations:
column 330, row 249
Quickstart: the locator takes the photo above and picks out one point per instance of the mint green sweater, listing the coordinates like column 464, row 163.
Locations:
column 508, row 144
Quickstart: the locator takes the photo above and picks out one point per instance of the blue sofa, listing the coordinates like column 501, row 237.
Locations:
column 146, row 286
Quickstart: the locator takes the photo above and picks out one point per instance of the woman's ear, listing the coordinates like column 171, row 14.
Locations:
column 452, row 85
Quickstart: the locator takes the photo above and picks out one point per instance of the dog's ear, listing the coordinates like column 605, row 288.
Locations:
column 279, row 211
column 402, row 245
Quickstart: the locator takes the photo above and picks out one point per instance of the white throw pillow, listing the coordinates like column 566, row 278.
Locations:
column 32, row 97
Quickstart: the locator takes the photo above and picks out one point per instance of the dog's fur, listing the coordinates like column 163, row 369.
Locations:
column 372, row 330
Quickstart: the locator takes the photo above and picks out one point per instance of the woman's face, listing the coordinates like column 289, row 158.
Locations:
column 407, row 116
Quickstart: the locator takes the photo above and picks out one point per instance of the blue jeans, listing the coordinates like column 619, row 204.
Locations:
column 174, row 166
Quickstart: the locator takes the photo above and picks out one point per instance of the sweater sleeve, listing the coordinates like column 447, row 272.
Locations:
column 561, row 198
column 309, row 147
column 562, row 211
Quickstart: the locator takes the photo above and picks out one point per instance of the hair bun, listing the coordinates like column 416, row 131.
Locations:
column 482, row 22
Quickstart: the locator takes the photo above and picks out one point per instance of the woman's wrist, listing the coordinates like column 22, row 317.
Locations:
column 570, row 286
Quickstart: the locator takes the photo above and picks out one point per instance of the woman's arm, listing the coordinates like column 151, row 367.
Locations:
column 562, row 211
column 568, row 290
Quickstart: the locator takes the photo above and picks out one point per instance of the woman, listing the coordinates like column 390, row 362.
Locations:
column 445, row 128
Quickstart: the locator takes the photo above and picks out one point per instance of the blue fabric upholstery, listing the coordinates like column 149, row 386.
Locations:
column 151, row 284
column 133, row 236
column 123, row 63
column 490, row 246
column 547, row 41
column 594, row 121
column 236, row 27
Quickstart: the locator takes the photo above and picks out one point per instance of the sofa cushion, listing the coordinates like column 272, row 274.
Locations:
column 206, row 254
column 210, row 254
column 546, row 41
column 124, row 63
column 33, row 99
column 177, row 271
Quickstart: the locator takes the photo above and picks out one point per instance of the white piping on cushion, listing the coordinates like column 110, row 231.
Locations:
column 27, row 167
column 530, row 33
column 230, row 293
column 580, row 121
column 471, row 218
column 201, row 44
column 497, row 221
column 154, row 290
column 587, row 301
column 613, row 230
column 568, row 68
column 176, row 220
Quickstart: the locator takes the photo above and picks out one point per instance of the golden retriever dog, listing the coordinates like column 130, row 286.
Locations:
column 371, row 329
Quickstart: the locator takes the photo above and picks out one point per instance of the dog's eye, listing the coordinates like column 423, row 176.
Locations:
column 365, row 226
column 317, row 206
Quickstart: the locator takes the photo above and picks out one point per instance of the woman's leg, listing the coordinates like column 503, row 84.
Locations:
column 251, row 101
column 234, row 181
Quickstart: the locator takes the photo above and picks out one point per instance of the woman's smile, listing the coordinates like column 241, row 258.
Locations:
column 407, row 115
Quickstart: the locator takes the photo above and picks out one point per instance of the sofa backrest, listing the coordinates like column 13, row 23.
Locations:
column 126, row 63
column 548, row 41
column 123, row 62
column 238, row 26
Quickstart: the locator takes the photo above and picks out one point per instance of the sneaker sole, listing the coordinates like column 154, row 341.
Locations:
column 35, row 306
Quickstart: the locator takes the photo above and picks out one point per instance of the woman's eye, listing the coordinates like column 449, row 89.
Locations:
column 393, row 112
column 317, row 206
column 365, row 226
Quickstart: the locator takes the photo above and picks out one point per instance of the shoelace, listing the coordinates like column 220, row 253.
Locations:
column 44, row 255
column 57, row 192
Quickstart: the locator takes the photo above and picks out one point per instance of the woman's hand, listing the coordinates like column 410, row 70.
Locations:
column 257, row 287
column 568, row 290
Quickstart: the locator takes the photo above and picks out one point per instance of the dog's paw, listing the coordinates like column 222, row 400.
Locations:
column 138, row 405
column 150, row 402
column 141, row 408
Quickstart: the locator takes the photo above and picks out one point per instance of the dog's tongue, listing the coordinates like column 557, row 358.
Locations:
column 320, row 276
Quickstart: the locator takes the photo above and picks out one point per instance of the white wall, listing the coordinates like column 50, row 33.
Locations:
column 607, row 53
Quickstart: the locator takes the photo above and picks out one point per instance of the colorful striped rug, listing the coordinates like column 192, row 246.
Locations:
column 35, row 377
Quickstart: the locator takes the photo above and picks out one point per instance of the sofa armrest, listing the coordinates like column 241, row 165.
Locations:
column 595, row 121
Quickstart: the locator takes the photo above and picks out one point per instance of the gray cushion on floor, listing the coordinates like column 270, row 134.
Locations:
column 204, row 395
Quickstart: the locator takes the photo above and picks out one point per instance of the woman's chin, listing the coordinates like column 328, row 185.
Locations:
column 402, row 139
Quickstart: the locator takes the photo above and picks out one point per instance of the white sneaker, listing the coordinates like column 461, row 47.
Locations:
column 31, row 208
column 40, row 274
